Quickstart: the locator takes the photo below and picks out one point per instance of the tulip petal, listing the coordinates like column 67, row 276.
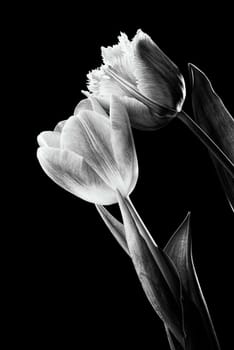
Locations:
column 158, row 77
column 179, row 249
column 97, row 107
column 141, row 116
column 123, row 143
column 121, row 58
column 213, row 117
column 100, row 84
column 71, row 172
column 59, row 126
column 91, row 104
column 89, row 135
column 84, row 104
column 116, row 227
column 49, row 138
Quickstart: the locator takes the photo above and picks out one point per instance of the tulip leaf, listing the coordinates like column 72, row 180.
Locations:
column 197, row 321
column 115, row 227
column 164, row 263
column 178, row 249
column 213, row 117
column 151, row 277
column 174, row 344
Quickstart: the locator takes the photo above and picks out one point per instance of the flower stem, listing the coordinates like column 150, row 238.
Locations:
column 207, row 141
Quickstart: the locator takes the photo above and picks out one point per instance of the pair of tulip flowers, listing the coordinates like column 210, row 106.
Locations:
column 93, row 156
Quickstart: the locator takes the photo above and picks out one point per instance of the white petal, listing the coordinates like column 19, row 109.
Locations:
column 158, row 77
column 59, row 127
column 83, row 105
column 140, row 115
column 102, row 85
column 123, row 144
column 97, row 107
column 89, row 136
column 91, row 104
column 72, row 173
column 49, row 138
column 121, row 58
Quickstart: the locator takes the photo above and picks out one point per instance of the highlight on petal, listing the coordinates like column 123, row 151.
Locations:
column 49, row 138
column 71, row 172
column 123, row 143
column 213, row 117
column 158, row 77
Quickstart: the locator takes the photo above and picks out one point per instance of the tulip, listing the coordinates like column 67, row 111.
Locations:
column 150, row 86
column 147, row 81
column 92, row 154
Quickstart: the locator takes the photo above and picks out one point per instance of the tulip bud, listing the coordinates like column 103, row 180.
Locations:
column 147, row 81
column 92, row 155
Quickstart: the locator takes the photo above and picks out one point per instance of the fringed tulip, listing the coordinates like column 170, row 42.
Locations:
column 147, row 81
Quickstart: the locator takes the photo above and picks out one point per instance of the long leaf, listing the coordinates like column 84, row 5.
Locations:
column 197, row 321
column 164, row 263
column 153, row 282
column 213, row 117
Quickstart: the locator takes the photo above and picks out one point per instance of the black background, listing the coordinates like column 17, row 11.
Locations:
column 73, row 286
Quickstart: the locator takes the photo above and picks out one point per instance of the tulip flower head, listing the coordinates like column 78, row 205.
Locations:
column 147, row 81
column 92, row 154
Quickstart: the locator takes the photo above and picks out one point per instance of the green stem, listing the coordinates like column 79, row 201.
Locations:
column 207, row 141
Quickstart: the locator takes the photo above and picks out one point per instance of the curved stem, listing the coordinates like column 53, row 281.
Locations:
column 207, row 141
